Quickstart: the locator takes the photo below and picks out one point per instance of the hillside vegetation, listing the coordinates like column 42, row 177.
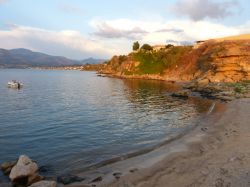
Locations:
column 155, row 62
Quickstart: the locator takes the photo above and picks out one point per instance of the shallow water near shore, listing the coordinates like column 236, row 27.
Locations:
column 70, row 120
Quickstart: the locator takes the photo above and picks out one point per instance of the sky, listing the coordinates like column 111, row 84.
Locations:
column 80, row 29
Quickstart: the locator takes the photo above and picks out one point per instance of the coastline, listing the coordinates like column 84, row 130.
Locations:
column 215, row 153
column 137, row 165
column 178, row 159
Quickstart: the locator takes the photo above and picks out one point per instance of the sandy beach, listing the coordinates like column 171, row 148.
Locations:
column 221, row 157
column 216, row 153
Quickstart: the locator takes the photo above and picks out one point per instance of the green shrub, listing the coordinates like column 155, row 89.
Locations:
column 155, row 62
column 238, row 89
column 168, row 46
column 147, row 47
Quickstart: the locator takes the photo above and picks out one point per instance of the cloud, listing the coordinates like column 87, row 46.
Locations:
column 70, row 9
column 175, row 42
column 120, row 33
column 160, row 31
column 174, row 30
column 107, row 31
column 67, row 43
column 201, row 9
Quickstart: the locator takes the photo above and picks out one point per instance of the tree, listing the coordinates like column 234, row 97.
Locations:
column 168, row 46
column 136, row 46
column 147, row 47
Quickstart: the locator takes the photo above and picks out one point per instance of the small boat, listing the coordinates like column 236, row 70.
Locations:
column 15, row 84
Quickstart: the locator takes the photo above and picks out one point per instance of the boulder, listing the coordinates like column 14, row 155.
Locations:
column 25, row 172
column 44, row 184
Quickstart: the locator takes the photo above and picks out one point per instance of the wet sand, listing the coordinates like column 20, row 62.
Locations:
column 216, row 153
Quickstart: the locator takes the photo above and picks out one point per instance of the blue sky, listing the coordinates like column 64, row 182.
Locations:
column 80, row 29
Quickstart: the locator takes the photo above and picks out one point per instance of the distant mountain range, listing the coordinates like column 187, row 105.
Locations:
column 23, row 58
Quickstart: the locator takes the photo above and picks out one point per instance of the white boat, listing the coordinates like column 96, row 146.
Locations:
column 15, row 84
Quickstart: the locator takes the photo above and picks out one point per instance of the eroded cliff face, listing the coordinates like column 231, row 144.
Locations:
column 121, row 66
column 229, row 61
column 213, row 61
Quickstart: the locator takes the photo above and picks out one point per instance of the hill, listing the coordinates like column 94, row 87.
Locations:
column 92, row 61
column 23, row 58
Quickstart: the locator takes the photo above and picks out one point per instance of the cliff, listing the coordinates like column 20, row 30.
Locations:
column 222, row 60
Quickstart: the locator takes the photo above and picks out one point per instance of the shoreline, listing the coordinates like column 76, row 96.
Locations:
column 109, row 174
column 216, row 153
column 167, row 161
column 123, row 163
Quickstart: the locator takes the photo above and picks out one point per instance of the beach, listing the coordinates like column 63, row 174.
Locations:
column 215, row 153
column 218, row 155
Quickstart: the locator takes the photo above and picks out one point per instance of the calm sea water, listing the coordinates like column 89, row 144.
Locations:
column 69, row 120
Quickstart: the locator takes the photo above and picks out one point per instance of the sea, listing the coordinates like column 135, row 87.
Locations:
column 68, row 121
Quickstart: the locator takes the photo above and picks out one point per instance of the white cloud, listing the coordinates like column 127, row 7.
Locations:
column 156, row 32
column 105, row 30
column 200, row 9
column 68, row 43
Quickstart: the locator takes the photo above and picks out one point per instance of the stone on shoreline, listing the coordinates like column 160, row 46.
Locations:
column 68, row 179
column 181, row 94
column 44, row 184
column 25, row 172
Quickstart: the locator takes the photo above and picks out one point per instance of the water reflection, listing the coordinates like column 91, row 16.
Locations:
column 70, row 120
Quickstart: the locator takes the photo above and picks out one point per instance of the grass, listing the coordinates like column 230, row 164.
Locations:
column 239, row 87
column 155, row 62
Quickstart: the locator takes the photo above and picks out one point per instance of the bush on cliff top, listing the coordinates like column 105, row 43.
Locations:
column 136, row 46
column 155, row 62
column 147, row 47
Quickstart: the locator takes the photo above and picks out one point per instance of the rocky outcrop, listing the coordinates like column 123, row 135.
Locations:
column 212, row 61
column 228, row 61
column 25, row 172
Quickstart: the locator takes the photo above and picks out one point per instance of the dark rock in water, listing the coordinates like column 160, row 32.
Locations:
column 204, row 128
column 44, row 169
column 117, row 175
column 68, row 179
column 7, row 166
column 133, row 170
column 98, row 179
column 47, row 170
column 181, row 94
